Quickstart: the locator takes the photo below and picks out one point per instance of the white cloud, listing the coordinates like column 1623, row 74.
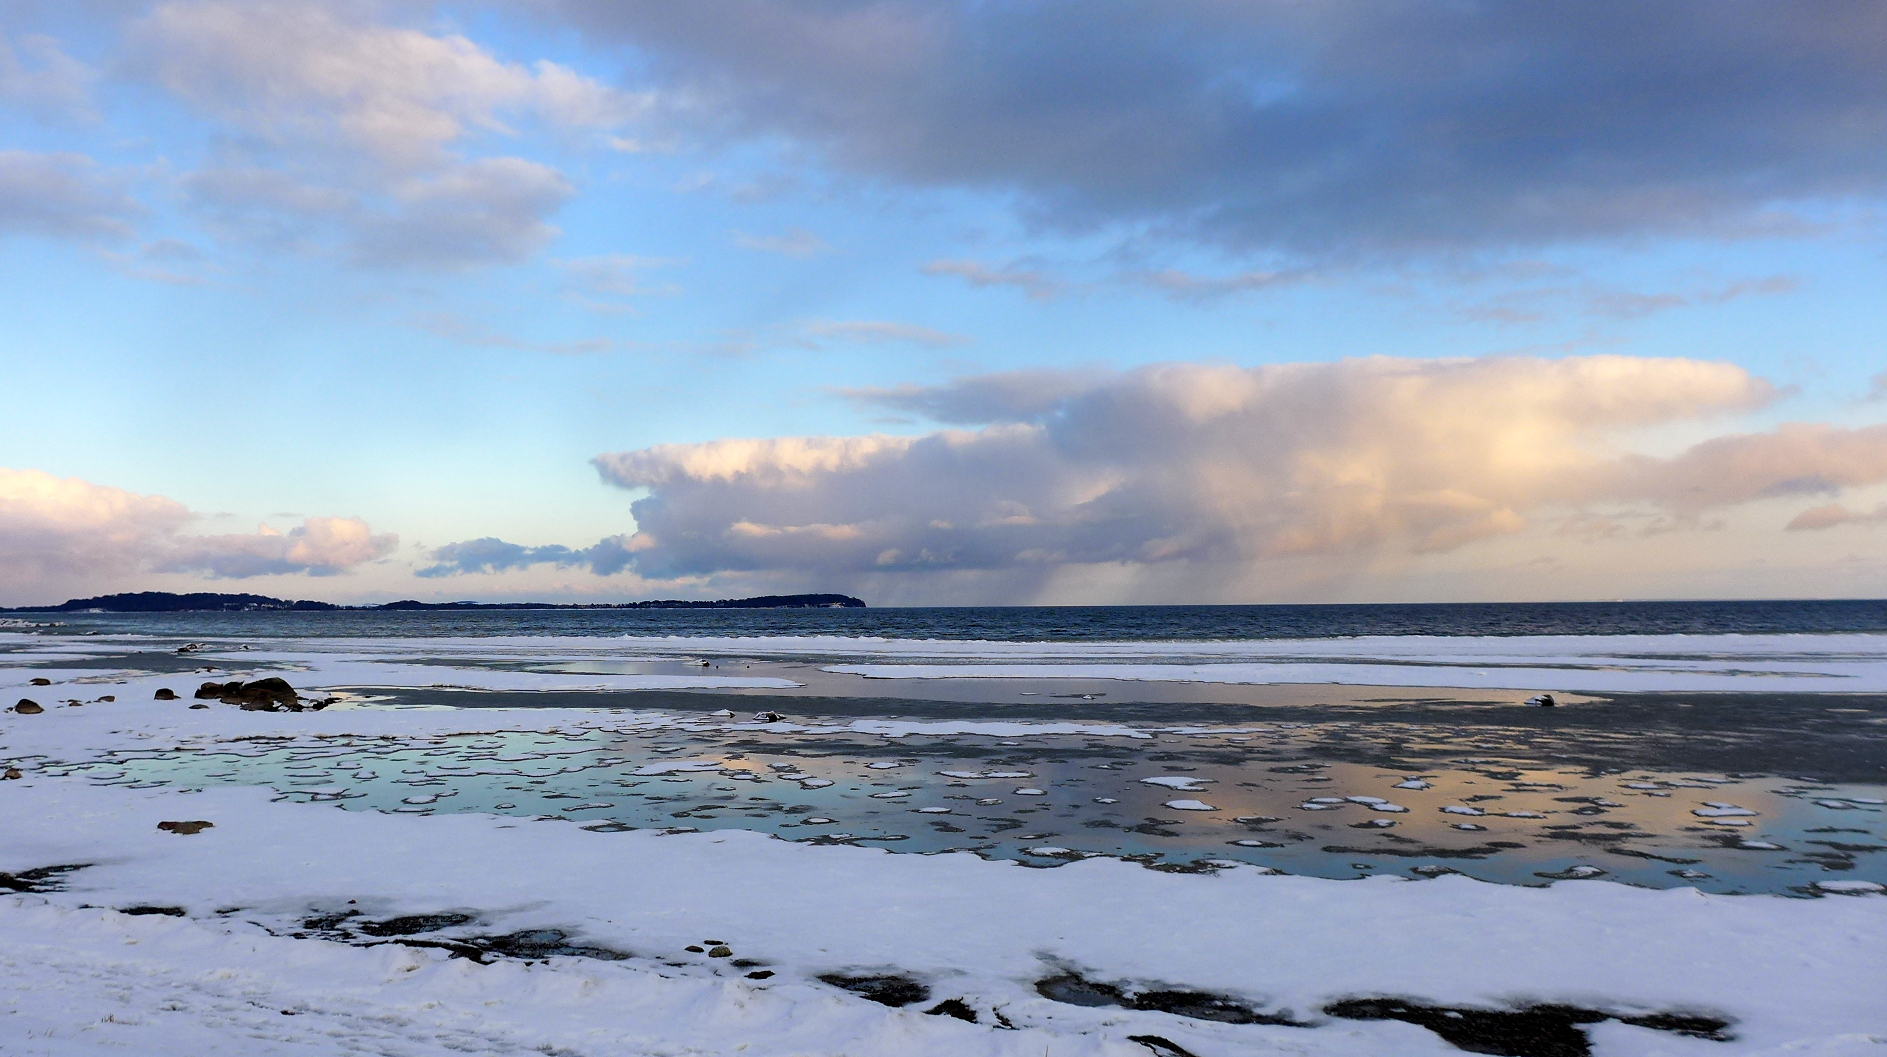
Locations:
column 355, row 134
column 1225, row 467
column 62, row 533
column 487, row 211
column 60, row 196
column 319, row 546
column 296, row 72
column 40, row 77
column 52, row 526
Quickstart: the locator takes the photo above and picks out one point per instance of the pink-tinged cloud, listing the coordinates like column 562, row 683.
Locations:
column 1827, row 517
column 1223, row 465
column 56, row 531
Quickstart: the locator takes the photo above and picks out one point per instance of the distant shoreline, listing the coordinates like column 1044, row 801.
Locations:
column 207, row 602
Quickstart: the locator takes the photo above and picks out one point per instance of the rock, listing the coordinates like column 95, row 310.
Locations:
column 185, row 828
column 272, row 694
column 199, row 705
column 724, row 713
column 11, row 773
column 28, row 708
column 108, row 697
column 40, row 681
column 164, row 693
column 263, row 695
column 769, row 717
column 1542, row 701
column 720, row 952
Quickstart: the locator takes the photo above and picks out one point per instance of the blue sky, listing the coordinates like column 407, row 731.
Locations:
column 412, row 267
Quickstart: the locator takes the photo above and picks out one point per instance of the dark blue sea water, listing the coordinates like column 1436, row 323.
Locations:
column 1048, row 623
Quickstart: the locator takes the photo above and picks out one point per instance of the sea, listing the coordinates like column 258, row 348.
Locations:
column 1731, row 746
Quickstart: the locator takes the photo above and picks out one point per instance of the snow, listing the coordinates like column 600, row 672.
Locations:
column 1594, row 663
column 1181, row 783
column 1851, row 886
column 1714, row 809
column 79, row 978
column 87, row 980
column 678, row 767
column 1851, row 663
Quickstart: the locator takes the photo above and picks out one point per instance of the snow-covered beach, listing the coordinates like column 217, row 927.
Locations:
column 311, row 917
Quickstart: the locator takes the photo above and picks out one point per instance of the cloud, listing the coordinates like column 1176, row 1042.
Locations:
column 1626, row 305
column 1794, row 459
column 606, row 283
column 1826, row 517
column 1038, row 284
column 51, row 526
column 817, row 332
column 796, row 242
column 1226, row 467
column 1187, row 286
column 57, row 531
column 1013, row 396
column 61, row 196
column 1339, row 129
column 491, row 555
column 489, row 211
column 355, row 134
column 821, row 334
column 49, row 83
column 319, row 546
column 453, row 328
column 298, row 73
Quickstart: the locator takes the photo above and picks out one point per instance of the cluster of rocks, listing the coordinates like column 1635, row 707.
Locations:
column 271, row 694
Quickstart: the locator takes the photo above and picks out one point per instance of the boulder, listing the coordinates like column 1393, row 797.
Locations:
column 272, row 694
column 11, row 773
column 165, row 693
column 28, row 708
column 41, row 681
column 185, row 828
column 262, row 695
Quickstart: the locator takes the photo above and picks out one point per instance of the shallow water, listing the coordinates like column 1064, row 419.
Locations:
column 1248, row 795
column 1754, row 791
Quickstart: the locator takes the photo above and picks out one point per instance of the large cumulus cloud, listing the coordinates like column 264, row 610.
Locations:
column 1178, row 468
column 57, row 532
column 1324, row 128
column 1223, row 465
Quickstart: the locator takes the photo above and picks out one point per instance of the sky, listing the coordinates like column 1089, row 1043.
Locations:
column 944, row 303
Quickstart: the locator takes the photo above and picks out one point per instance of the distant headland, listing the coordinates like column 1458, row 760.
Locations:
column 207, row 602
